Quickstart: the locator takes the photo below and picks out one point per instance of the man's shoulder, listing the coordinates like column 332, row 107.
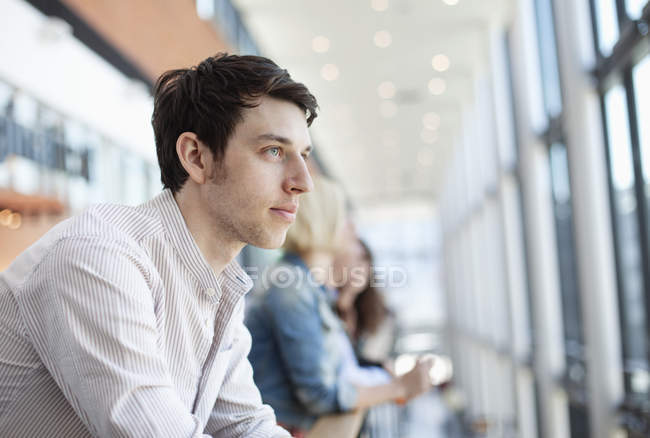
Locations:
column 113, row 224
column 134, row 223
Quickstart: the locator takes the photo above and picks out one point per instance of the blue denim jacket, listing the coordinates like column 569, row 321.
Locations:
column 296, row 355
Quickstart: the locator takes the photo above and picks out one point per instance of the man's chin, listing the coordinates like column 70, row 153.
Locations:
column 271, row 242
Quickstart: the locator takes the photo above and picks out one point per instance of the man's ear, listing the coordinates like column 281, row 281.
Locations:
column 194, row 156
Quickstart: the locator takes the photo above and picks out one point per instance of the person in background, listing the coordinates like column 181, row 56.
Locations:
column 299, row 365
column 359, row 303
column 128, row 321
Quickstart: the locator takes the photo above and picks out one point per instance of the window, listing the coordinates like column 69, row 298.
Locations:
column 623, row 74
column 574, row 380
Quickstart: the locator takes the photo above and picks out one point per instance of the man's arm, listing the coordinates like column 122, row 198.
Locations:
column 89, row 311
column 239, row 411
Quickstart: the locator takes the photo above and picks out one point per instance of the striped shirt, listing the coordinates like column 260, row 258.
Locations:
column 114, row 324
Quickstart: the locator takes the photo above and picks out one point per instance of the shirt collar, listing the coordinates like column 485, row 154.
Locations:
column 233, row 279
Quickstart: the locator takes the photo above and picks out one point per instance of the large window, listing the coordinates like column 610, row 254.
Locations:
column 623, row 74
column 575, row 377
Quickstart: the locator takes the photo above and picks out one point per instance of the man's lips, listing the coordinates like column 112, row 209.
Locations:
column 288, row 212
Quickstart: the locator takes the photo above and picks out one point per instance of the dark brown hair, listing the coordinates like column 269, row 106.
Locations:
column 369, row 304
column 208, row 100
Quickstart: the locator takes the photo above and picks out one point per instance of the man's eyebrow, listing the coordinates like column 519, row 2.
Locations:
column 273, row 137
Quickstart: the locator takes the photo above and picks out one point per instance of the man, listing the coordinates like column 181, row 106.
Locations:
column 128, row 321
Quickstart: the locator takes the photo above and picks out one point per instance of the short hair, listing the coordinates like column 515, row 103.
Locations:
column 208, row 100
column 320, row 219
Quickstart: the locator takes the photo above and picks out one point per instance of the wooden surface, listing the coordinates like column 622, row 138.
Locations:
column 345, row 425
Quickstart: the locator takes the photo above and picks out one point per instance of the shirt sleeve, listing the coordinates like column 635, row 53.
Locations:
column 239, row 411
column 89, row 312
column 299, row 332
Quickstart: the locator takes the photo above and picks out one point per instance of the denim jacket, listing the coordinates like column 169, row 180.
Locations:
column 296, row 354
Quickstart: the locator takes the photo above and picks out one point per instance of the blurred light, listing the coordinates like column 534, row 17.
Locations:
column 329, row 72
column 450, row 2
column 428, row 136
column 437, row 86
column 205, row 9
column 379, row 5
column 440, row 62
column 404, row 363
column 4, row 217
column 426, row 156
column 386, row 90
column 383, row 39
column 431, row 121
column 442, row 370
column 320, row 44
column 388, row 109
column 640, row 381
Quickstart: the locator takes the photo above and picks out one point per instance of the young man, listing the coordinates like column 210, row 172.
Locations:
column 128, row 321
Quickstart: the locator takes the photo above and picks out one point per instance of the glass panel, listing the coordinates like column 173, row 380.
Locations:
column 548, row 58
column 627, row 231
column 635, row 8
column 641, row 75
column 607, row 24
column 566, row 250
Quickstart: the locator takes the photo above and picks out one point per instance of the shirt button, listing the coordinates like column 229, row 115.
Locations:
column 211, row 292
column 207, row 322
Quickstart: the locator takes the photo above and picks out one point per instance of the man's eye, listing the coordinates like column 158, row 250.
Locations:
column 274, row 152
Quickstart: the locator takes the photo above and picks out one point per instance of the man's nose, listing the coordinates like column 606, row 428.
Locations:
column 299, row 180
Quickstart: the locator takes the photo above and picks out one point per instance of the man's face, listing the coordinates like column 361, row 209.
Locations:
column 253, row 194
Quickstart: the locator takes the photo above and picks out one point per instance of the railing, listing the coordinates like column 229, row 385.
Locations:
column 346, row 425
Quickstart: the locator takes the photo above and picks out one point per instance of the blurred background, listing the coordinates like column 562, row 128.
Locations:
column 497, row 151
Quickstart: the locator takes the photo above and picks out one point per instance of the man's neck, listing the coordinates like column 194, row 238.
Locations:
column 216, row 248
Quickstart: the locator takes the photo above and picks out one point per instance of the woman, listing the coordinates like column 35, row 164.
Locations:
column 367, row 320
column 299, row 365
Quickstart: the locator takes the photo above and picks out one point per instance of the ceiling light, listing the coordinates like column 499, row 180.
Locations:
column 388, row 109
column 440, row 62
column 320, row 44
column 379, row 5
column 382, row 39
column 428, row 136
column 431, row 121
column 386, row 90
column 450, row 2
column 426, row 156
column 329, row 72
column 437, row 86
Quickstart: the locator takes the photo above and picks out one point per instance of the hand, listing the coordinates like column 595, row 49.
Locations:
column 416, row 381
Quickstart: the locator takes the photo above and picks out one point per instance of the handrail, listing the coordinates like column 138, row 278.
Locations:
column 345, row 425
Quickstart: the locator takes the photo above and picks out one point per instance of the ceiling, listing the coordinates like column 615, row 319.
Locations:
column 378, row 147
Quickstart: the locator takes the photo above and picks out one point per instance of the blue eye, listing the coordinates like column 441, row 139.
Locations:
column 274, row 152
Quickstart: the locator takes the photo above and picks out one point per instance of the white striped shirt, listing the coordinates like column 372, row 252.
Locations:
column 114, row 324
